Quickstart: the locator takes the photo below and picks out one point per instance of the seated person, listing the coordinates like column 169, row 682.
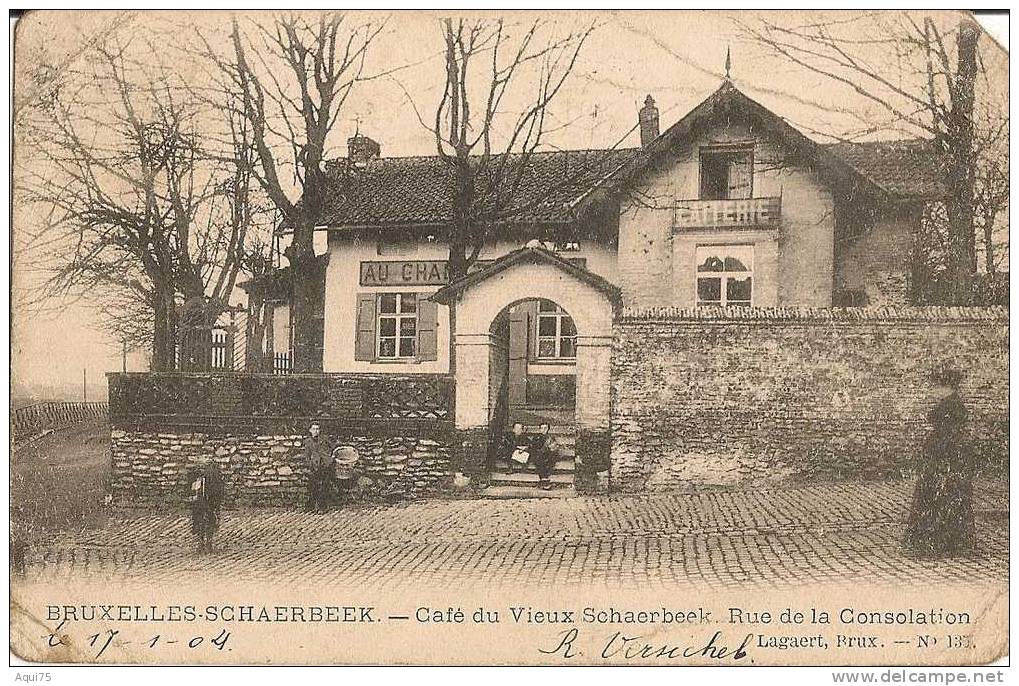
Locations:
column 542, row 457
column 516, row 447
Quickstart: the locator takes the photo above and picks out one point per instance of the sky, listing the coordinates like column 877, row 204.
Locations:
column 677, row 57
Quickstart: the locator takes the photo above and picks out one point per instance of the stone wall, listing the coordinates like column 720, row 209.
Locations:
column 253, row 426
column 151, row 467
column 704, row 398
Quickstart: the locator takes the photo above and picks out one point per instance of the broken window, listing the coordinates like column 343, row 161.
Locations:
column 727, row 172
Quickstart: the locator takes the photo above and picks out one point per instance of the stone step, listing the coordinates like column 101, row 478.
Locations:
column 507, row 492
column 565, row 439
column 506, row 478
column 567, row 465
column 558, row 430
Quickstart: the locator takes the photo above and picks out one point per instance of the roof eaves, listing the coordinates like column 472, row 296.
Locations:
column 446, row 294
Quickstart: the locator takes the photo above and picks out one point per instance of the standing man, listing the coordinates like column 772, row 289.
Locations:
column 318, row 459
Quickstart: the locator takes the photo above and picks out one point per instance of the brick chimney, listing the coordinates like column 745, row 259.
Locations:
column 648, row 119
column 361, row 149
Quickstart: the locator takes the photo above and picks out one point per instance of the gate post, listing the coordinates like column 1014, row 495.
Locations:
column 594, row 439
column 472, row 404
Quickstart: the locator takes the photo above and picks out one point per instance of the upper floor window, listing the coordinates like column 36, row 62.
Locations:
column 397, row 326
column 557, row 335
column 725, row 275
column 727, row 172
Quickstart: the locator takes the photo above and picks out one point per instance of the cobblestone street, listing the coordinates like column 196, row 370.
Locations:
column 780, row 537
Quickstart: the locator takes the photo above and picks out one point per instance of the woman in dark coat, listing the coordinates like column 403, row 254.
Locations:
column 941, row 519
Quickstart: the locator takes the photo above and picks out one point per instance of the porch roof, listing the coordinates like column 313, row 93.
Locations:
column 528, row 254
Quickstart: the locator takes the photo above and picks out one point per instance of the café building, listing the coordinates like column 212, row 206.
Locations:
column 730, row 206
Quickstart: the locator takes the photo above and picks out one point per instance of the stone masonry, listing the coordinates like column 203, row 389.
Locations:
column 152, row 468
column 705, row 398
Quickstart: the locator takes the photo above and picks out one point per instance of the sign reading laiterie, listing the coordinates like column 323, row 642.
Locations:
column 405, row 273
column 420, row 272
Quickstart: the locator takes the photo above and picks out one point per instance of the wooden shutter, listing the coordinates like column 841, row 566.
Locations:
column 364, row 336
column 520, row 333
column 428, row 323
column 741, row 176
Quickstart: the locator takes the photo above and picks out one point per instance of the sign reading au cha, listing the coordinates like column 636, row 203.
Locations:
column 405, row 273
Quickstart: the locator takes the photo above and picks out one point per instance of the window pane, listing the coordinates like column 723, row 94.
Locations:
column 406, row 347
column 387, row 302
column 710, row 263
column 729, row 258
column 408, row 302
column 568, row 347
column 733, row 264
column 547, row 306
column 567, row 327
column 408, row 326
column 714, row 176
column 737, row 291
column 546, row 326
column 387, row 326
column 387, row 347
column 546, row 347
column 709, row 290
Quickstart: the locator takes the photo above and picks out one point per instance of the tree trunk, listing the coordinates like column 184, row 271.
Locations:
column 456, row 268
column 989, row 266
column 254, row 334
column 304, row 297
column 961, row 239
column 160, row 335
column 164, row 331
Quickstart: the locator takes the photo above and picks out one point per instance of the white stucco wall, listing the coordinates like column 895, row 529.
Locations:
column 591, row 311
column 877, row 260
column 343, row 285
column 281, row 328
column 794, row 262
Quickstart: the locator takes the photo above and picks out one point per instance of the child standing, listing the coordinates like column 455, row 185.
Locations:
column 206, row 499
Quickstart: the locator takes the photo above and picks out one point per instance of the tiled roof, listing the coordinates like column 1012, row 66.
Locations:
column 417, row 190
column 903, row 168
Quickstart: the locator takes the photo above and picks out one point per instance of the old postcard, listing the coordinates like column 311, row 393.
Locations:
column 577, row 338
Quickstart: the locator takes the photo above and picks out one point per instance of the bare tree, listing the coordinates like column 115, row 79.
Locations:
column 488, row 172
column 991, row 189
column 486, row 144
column 928, row 83
column 137, row 216
column 292, row 77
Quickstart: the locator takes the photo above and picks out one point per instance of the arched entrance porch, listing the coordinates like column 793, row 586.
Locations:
column 485, row 301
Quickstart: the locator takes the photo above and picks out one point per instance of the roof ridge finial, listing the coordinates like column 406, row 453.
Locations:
column 728, row 63
column 357, row 125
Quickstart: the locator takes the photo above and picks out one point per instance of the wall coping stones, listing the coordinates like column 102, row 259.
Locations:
column 817, row 314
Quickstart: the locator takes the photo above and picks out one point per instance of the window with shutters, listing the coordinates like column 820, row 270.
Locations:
column 556, row 333
column 396, row 333
column 727, row 172
column 396, row 327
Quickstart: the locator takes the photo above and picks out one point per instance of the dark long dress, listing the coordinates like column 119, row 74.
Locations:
column 941, row 519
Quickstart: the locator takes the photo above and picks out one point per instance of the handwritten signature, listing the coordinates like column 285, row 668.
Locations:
column 569, row 644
